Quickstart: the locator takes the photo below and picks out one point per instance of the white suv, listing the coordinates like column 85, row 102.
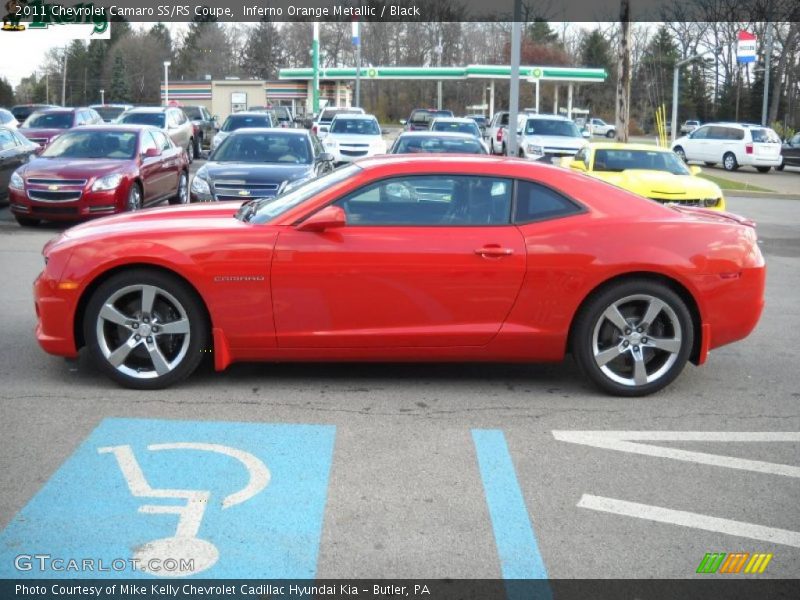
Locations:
column 353, row 136
column 326, row 116
column 732, row 144
column 548, row 138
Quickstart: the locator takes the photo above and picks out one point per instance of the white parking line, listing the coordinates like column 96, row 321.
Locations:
column 625, row 441
column 690, row 519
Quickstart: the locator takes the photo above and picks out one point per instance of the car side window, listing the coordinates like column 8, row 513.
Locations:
column 147, row 142
column 701, row 133
column 537, row 202
column 7, row 140
column 431, row 200
column 795, row 141
column 162, row 141
column 735, row 134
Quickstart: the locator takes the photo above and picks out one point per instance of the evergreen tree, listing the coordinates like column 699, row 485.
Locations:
column 120, row 91
column 262, row 51
column 6, row 93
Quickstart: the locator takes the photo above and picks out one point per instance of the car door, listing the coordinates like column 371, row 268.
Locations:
column 424, row 261
column 11, row 158
column 697, row 145
column 171, row 163
column 791, row 151
column 151, row 169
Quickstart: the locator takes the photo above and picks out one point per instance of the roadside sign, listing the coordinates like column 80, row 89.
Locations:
column 142, row 498
column 746, row 47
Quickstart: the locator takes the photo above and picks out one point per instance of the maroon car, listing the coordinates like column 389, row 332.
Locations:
column 43, row 126
column 99, row 170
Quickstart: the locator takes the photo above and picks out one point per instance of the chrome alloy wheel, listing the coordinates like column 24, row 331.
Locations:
column 637, row 340
column 143, row 331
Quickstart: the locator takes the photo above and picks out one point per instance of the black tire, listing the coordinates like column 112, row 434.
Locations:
column 611, row 134
column 198, row 147
column 170, row 290
column 182, row 193
column 135, row 192
column 521, row 154
column 681, row 154
column 190, row 151
column 729, row 162
column 710, row 164
column 594, row 332
column 27, row 221
column 763, row 169
column 503, row 149
column 779, row 167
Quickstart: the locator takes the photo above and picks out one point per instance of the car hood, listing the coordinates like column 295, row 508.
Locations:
column 257, row 172
column 41, row 133
column 556, row 141
column 342, row 138
column 661, row 183
column 71, row 168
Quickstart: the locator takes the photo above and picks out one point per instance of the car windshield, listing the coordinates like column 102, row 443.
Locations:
column 251, row 147
column 193, row 112
column 49, row 120
column 109, row 113
column 281, row 113
column 479, row 120
column 355, row 126
column 156, row 119
column 117, row 145
column 456, row 127
column 267, row 209
column 622, row 160
column 235, row 122
column 765, row 136
column 438, row 144
column 426, row 116
column 328, row 114
column 551, row 127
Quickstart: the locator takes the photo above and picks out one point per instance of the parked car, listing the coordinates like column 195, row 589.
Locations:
column 259, row 163
column 456, row 125
column 15, row 151
column 241, row 120
column 205, row 127
column 790, row 153
column 43, row 126
column 323, row 122
column 494, row 131
column 599, row 127
column 732, row 144
column 110, row 112
column 420, row 118
column 170, row 119
column 548, row 138
column 7, row 119
column 23, row 111
column 415, row 142
column 100, row 170
column 650, row 171
column 481, row 120
column 354, row 136
column 689, row 126
column 282, row 116
column 420, row 258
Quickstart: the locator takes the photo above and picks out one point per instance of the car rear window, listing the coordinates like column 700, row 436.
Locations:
column 762, row 136
column 235, row 122
column 156, row 119
column 50, row 120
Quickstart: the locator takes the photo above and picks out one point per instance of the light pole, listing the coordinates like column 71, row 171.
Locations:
column 166, row 82
column 357, row 44
column 102, row 96
column 439, row 50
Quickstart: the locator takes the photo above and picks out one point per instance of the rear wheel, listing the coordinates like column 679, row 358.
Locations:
column 198, row 145
column 145, row 329
column 681, row 154
column 729, row 161
column 27, row 221
column 633, row 338
column 779, row 167
column 190, row 151
column 763, row 169
column 611, row 134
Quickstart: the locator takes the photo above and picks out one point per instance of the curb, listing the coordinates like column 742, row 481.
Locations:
column 750, row 194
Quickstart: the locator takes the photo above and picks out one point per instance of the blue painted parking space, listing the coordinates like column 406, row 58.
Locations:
column 148, row 498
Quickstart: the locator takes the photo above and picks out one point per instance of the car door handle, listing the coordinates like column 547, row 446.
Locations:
column 494, row 251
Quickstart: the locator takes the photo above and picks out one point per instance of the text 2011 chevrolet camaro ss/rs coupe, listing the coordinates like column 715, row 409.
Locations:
column 431, row 258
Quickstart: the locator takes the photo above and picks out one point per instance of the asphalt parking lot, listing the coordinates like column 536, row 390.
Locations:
column 417, row 470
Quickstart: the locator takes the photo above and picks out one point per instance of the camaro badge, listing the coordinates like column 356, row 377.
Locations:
column 52, row 188
column 244, row 193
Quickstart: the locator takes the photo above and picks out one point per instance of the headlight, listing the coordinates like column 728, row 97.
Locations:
column 709, row 202
column 109, row 182
column 199, row 183
column 16, row 182
column 535, row 149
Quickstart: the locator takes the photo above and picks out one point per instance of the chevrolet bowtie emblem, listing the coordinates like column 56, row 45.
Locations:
column 244, row 193
column 52, row 188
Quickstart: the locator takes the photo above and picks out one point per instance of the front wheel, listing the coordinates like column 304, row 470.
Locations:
column 145, row 329
column 763, row 169
column 611, row 134
column 681, row 154
column 634, row 338
column 779, row 167
column 190, row 151
column 729, row 162
column 134, row 198
column 182, row 193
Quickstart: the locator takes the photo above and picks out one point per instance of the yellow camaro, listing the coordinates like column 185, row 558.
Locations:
column 650, row 171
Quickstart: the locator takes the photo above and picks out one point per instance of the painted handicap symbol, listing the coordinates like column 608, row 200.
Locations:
column 185, row 546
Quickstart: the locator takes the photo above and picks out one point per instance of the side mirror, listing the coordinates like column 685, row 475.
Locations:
column 578, row 165
column 695, row 170
column 403, row 121
column 325, row 157
column 152, row 153
column 329, row 217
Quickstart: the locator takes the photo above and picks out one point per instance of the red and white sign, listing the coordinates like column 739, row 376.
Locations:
column 746, row 47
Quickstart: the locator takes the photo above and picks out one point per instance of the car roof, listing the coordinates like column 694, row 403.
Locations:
column 362, row 116
column 59, row 109
column 249, row 113
column 283, row 130
column 544, row 116
column 455, row 119
column 150, row 109
column 130, row 127
column 621, row 146
column 442, row 134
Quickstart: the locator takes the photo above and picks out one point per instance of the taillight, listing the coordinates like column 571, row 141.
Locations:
column 314, row 130
column 748, row 148
column 499, row 135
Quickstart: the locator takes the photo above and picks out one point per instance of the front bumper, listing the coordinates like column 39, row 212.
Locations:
column 55, row 311
column 89, row 205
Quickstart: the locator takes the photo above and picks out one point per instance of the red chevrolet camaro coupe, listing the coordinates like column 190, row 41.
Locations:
column 402, row 258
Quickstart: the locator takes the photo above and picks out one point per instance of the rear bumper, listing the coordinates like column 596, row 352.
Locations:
column 736, row 308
